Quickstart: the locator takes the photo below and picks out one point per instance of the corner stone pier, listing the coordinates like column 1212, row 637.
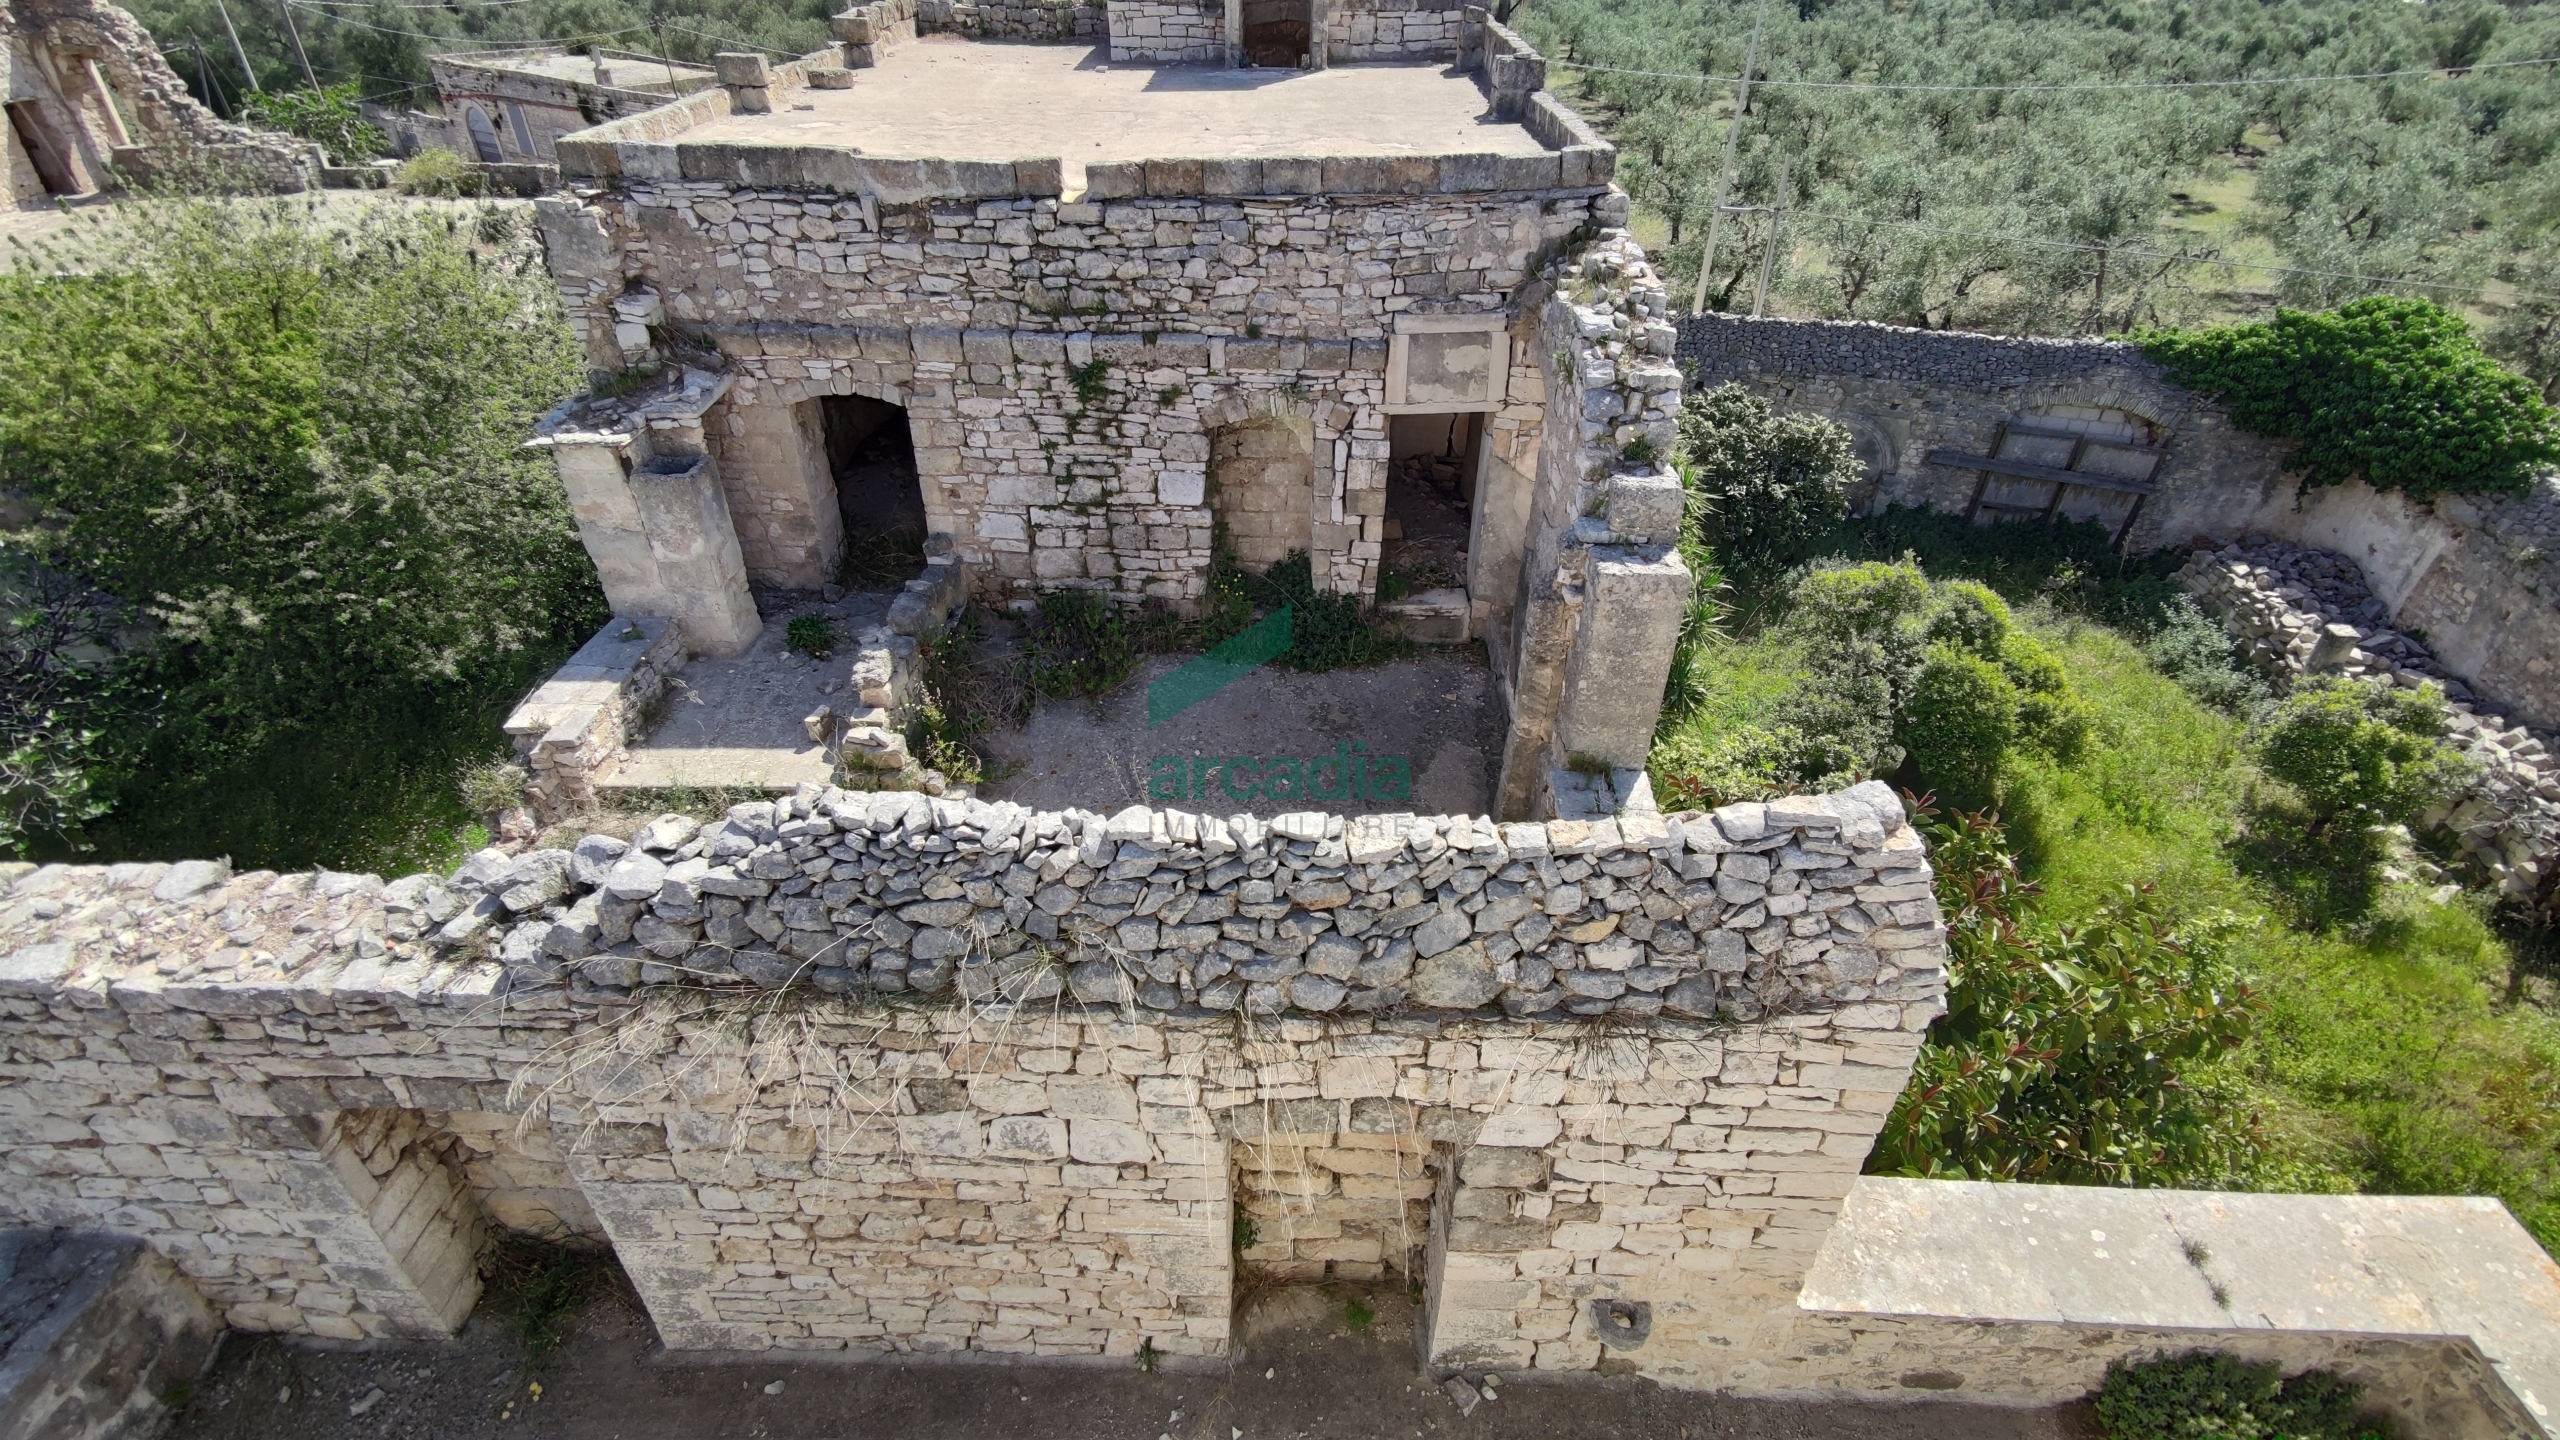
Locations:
column 887, row 1076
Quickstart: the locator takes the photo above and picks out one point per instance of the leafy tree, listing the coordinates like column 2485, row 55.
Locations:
column 295, row 445
column 1768, row 485
column 2069, row 1054
column 2367, row 754
column 1959, row 723
column 2391, row 390
column 327, row 117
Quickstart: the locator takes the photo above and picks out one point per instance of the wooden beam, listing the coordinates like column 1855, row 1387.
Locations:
column 2025, row 471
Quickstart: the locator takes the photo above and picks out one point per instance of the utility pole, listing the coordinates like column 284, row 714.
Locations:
column 1777, row 222
column 1724, row 177
column 290, row 29
column 204, row 76
column 234, row 32
column 659, row 29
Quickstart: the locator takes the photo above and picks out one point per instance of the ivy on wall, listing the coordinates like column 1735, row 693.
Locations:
column 2393, row 390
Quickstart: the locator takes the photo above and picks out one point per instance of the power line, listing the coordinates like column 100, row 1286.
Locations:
column 528, row 44
column 2472, row 290
column 1763, row 81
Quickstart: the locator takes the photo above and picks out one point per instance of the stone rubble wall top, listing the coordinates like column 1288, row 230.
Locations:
column 1817, row 904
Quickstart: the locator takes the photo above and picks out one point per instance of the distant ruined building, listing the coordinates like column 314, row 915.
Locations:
column 93, row 106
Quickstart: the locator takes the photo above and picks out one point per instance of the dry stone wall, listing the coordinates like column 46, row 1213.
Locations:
column 1169, row 31
column 1370, row 31
column 2298, row 612
column 312, row 1091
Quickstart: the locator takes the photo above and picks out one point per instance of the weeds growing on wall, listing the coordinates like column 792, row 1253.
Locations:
column 2390, row 390
column 2205, row 1396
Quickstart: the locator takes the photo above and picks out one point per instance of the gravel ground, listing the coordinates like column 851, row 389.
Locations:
column 1305, row 1371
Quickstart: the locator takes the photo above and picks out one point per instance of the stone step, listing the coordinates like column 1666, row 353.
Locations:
column 773, row 771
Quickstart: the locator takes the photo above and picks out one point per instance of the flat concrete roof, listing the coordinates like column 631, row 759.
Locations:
column 629, row 72
column 948, row 98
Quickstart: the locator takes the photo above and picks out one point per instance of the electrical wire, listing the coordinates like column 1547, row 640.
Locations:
column 530, row 44
column 1764, row 82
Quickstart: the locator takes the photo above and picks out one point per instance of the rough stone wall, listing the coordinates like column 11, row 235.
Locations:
column 1588, row 647
column 1903, row 393
column 1169, row 31
column 298, row 1087
column 2303, row 612
column 960, row 313
column 1013, row 19
column 1361, row 31
column 576, row 726
column 56, row 54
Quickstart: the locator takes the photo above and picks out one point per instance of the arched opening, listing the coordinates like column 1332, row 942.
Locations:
column 1277, row 33
column 1262, row 486
column 872, row 454
column 484, row 136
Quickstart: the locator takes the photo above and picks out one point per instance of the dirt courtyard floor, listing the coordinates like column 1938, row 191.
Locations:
column 1311, row 1366
column 1437, row 710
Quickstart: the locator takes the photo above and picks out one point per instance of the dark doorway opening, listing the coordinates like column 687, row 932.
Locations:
column 1432, row 464
column 1277, row 33
column 53, row 166
column 872, row 454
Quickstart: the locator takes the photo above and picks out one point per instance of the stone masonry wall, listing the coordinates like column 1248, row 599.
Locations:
column 1368, row 31
column 1903, row 393
column 1012, row 19
column 960, row 314
column 297, row 1086
column 1169, row 31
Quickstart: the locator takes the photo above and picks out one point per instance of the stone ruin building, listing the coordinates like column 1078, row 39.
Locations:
column 91, row 104
column 508, row 107
column 1124, row 311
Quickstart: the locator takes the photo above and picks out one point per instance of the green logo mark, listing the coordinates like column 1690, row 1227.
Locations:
column 1226, row 663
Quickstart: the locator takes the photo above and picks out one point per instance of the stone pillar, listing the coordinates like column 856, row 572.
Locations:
column 658, row 530
column 1633, row 601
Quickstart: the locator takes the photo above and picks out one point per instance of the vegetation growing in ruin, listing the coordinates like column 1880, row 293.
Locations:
column 292, row 446
column 2205, row 1396
column 2142, row 901
column 327, row 117
column 2392, row 391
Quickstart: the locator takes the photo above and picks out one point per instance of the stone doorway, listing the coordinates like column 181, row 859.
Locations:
column 51, row 161
column 1262, row 487
column 1434, row 469
column 1277, row 33
column 871, row 453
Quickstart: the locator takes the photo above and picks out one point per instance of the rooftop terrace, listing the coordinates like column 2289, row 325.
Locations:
column 957, row 99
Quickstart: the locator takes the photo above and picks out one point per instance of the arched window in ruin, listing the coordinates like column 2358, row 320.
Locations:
column 484, row 136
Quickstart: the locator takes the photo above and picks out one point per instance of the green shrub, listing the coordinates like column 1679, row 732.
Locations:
column 1690, row 772
column 2392, row 390
column 294, row 442
column 327, row 117
column 2070, row 565
column 1768, row 486
column 1078, row 644
column 2195, row 650
column 811, row 635
column 439, row 173
column 2205, row 1396
column 2076, row 1054
column 2368, row 754
column 1327, row 630
column 1958, row 723
column 1969, row 614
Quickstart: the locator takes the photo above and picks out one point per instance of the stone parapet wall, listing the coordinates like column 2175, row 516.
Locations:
column 1603, row 587
column 576, row 726
column 1013, row 19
